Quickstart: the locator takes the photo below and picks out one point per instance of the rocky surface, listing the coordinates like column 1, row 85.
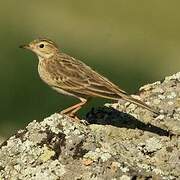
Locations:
column 121, row 142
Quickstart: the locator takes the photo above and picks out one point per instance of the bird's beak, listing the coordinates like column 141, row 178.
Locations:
column 25, row 46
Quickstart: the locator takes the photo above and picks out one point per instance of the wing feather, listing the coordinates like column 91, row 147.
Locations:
column 73, row 75
column 67, row 74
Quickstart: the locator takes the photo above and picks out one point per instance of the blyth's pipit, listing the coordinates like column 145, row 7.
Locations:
column 70, row 76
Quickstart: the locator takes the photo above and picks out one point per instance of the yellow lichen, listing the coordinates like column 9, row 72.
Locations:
column 47, row 153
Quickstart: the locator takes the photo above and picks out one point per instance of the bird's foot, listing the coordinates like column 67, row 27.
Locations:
column 75, row 118
column 84, row 122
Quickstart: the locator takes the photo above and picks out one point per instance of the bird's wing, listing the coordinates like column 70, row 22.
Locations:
column 74, row 76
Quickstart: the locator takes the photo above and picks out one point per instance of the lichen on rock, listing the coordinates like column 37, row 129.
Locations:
column 122, row 141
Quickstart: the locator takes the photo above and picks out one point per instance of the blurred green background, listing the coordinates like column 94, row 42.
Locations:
column 130, row 42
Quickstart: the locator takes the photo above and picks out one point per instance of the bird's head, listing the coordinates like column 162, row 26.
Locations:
column 42, row 47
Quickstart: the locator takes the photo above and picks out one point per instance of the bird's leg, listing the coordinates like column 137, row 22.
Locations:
column 73, row 109
column 78, row 108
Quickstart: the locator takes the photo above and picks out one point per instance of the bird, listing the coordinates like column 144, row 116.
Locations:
column 70, row 76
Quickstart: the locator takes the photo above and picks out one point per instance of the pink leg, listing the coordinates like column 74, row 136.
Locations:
column 73, row 109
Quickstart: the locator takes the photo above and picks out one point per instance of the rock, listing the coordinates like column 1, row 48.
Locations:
column 151, row 145
column 122, row 141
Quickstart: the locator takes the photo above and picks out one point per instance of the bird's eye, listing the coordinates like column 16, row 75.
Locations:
column 41, row 45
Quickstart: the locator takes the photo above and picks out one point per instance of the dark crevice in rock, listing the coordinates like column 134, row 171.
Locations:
column 60, row 142
column 79, row 151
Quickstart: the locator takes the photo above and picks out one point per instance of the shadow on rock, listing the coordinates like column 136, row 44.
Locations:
column 110, row 116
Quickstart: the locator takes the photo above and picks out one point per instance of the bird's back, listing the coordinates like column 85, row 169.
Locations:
column 73, row 75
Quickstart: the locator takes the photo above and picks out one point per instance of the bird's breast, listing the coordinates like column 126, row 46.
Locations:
column 48, row 78
column 44, row 74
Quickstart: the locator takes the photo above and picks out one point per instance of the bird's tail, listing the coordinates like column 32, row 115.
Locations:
column 139, row 103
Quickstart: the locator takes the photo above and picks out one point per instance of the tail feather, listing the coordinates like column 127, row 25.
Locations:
column 139, row 103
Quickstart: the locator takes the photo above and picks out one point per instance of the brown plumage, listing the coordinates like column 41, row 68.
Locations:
column 70, row 76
